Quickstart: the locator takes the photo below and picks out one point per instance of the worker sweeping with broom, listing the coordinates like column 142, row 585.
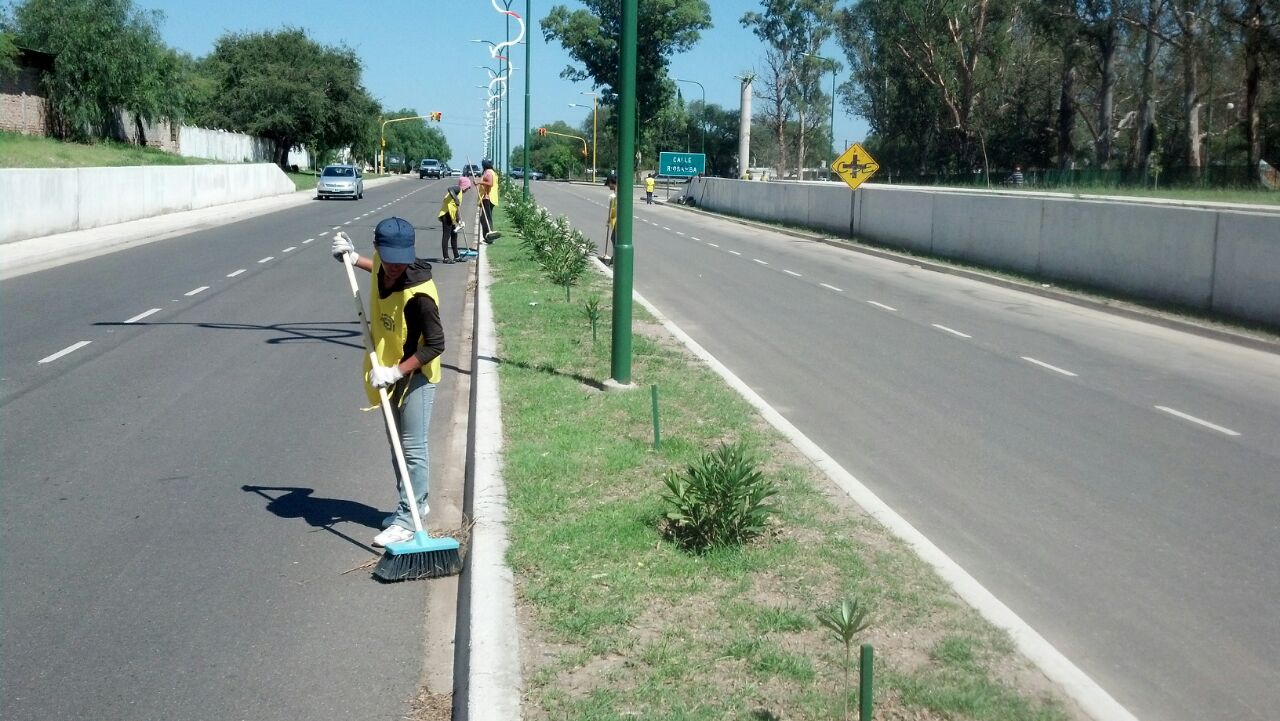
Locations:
column 487, row 189
column 404, row 345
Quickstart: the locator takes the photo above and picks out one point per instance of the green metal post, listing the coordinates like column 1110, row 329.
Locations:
column 833, row 110
column 528, row 43
column 506, row 113
column 657, row 433
column 624, row 252
column 866, row 682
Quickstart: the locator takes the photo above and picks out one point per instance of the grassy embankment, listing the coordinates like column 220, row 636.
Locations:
column 28, row 151
column 619, row 623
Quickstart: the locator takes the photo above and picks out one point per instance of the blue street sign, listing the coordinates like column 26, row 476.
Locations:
column 683, row 165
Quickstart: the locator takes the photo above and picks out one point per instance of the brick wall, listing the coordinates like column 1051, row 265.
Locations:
column 22, row 108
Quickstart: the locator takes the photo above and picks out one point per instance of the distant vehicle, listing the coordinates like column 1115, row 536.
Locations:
column 431, row 168
column 455, row 172
column 518, row 172
column 472, row 170
column 340, row 181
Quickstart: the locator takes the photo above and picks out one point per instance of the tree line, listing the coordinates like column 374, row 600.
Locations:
column 1131, row 89
column 280, row 85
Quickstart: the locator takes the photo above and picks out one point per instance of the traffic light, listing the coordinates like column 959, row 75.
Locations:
column 437, row 116
column 542, row 132
column 584, row 152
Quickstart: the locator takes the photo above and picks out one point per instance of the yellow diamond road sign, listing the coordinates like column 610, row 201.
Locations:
column 855, row 166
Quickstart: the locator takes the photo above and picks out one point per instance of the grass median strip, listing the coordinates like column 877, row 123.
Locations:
column 619, row 623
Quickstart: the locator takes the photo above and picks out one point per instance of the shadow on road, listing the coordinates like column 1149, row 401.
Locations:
column 291, row 332
column 317, row 511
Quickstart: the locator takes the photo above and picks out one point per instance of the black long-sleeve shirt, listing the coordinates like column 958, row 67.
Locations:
column 421, row 314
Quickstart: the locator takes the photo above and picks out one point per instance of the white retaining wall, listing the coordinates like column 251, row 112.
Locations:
column 1208, row 256
column 35, row 202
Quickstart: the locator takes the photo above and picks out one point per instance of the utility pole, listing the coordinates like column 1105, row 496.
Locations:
column 744, row 127
column 624, row 252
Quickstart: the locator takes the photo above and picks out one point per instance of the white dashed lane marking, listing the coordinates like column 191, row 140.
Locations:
column 234, row 273
column 792, row 272
column 696, row 238
column 831, row 287
column 323, row 234
column 713, row 245
column 883, row 306
column 290, row 249
column 69, row 349
column 196, row 291
column 952, row 331
column 267, row 259
column 142, row 315
column 761, row 262
column 1200, row 421
column 308, row 240
column 735, row 252
column 1053, row 368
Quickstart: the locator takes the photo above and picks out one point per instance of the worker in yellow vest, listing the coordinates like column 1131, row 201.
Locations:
column 450, row 220
column 408, row 340
column 648, row 189
column 487, row 187
column 611, row 223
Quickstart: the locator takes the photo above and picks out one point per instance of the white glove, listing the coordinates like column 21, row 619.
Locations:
column 460, row 225
column 384, row 376
column 341, row 246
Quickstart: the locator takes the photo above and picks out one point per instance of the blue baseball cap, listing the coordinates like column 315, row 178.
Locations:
column 393, row 239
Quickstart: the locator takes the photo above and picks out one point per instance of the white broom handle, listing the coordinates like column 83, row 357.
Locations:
column 384, row 401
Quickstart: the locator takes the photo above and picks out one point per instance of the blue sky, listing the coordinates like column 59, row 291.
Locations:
column 418, row 54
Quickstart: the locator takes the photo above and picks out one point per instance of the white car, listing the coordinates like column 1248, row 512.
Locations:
column 340, row 181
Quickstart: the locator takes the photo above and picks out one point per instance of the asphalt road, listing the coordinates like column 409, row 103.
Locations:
column 182, row 494
column 1116, row 483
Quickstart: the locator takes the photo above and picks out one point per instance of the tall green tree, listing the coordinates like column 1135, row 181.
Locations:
column 109, row 58
column 286, row 87
column 591, row 34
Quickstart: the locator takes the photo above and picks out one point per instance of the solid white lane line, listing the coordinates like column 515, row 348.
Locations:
column 235, row 273
column 1193, row 419
column 142, row 315
column 290, row 249
column 792, row 272
column 952, row 331
column 323, row 234
column 196, row 291
column 713, row 245
column 267, row 259
column 761, row 262
column 735, row 252
column 308, row 240
column 69, row 349
column 831, row 287
column 1053, row 368
column 882, row 305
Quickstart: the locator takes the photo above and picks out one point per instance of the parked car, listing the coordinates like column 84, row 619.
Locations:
column 431, row 168
column 340, row 181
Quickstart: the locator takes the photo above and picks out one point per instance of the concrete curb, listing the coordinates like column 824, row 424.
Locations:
column 1134, row 312
column 493, row 679
column 31, row 255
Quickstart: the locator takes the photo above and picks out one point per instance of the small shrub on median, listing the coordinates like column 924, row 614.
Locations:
column 721, row 500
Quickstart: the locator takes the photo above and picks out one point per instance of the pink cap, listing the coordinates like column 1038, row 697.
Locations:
column 464, row 184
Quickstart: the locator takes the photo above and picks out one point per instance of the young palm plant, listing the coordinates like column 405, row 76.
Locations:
column 846, row 621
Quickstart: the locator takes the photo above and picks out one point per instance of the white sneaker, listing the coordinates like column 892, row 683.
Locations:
column 393, row 534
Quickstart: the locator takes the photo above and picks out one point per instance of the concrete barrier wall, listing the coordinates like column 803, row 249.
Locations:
column 1206, row 256
column 38, row 201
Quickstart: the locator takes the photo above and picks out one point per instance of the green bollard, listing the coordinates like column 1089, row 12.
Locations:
column 866, row 682
column 657, row 435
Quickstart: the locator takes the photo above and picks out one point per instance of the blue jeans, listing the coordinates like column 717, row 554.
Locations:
column 413, row 421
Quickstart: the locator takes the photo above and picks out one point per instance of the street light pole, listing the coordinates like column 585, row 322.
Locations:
column 528, row 18
column 704, row 111
column 595, row 108
column 624, row 251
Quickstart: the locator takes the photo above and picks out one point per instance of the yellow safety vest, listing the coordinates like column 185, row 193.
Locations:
column 493, row 189
column 390, row 331
column 613, row 211
column 648, row 185
column 449, row 207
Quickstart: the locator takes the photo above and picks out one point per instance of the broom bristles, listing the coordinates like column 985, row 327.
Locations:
column 414, row 566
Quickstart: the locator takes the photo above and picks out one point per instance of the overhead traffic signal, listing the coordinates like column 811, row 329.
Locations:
column 542, row 132
column 584, row 152
column 437, row 116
